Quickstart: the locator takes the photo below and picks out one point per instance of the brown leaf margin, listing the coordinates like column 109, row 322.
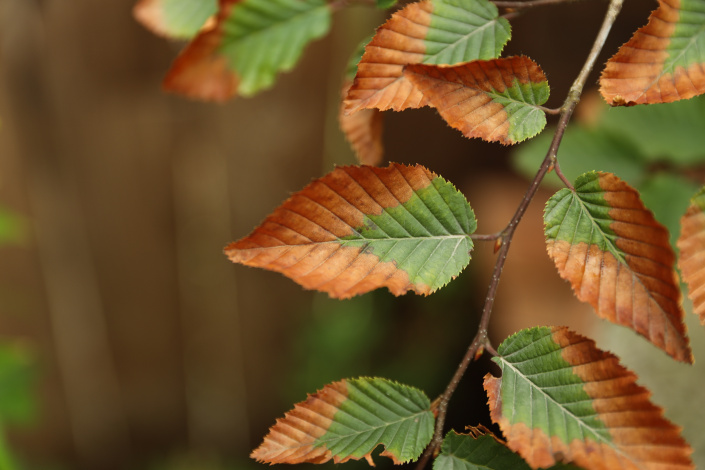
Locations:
column 691, row 262
column 363, row 130
column 635, row 75
column 651, row 441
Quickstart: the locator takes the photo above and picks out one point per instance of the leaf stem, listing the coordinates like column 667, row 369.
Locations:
column 486, row 237
column 481, row 337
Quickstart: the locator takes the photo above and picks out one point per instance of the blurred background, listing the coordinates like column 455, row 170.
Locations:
column 129, row 341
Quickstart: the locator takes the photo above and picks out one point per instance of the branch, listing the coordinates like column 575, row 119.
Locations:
column 528, row 3
column 507, row 234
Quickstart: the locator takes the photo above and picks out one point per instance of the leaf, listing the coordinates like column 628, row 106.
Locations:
column 663, row 61
column 561, row 398
column 617, row 258
column 485, row 452
column 692, row 257
column 428, row 32
column 360, row 228
column 495, row 100
column 177, row 19
column 384, row 4
column 363, row 130
column 251, row 42
column 17, row 374
column 347, row 420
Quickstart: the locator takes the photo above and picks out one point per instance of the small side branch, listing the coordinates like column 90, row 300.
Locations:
column 481, row 337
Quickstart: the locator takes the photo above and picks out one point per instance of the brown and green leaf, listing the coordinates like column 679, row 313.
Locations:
column 560, row 398
column 348, row 420
column 176, row 19
column 618, row 258
column 360, row 228
column 495, row 100
column 251, row 43
column 428, row 32
column 664, row 61
column 692, row 252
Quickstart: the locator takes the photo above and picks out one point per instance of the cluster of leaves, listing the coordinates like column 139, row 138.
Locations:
column 559, row 398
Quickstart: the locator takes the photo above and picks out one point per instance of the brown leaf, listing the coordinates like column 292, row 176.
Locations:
column 599, row 417
column 363, row 130
column 474, row 97
column 692, row 253
column 199, row 71
column 648, row 69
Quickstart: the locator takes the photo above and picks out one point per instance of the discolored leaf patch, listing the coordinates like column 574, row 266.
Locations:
column 692, row 252
column 495, row 100
column 348, row 420
column 361, row 228
column 664, row 61
column 363, row 130
column 429, row 32
column 618, row 258
column 252, row 41
column 562, row 398
column 176, row 19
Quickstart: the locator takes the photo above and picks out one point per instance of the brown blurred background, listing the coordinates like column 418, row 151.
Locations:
column 151, row 349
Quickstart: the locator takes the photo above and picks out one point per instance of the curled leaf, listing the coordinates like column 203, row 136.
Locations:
column 348, row 420
column 429, row 32
column 663, row 62
column 363, row 130
column 360, row 228
column 562, row 398
column 692, row 252
column 177, row 19
column 495, row 100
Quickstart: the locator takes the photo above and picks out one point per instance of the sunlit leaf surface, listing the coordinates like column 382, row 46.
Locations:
column 495, row 100
column 561, row 398
column 178, row 19
column 347, row 420
column 360, row 228
column 250, row 44
column 692, row 252
column 428, row 32
column 618, row 258
column 664, row 61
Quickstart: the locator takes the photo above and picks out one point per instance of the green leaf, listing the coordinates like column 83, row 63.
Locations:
column 351, row 68
column 618, row 258
column 361, row 228
column 178, row 19
column 17, row 374
column 264, row 37
column 347, row 420
column 384, row 4
column 485, row 452
column 12, row 227
column 561, row 398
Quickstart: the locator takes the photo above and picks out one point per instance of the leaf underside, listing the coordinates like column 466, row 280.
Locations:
column 361, row 228
column 561, row 398
column 438, row 32
column 348, row 420
column 176, row 19
column 664, row 61
column 495, row 100
column 251, row 43
column 363, row 130
column 618, row 258
column 691, row 244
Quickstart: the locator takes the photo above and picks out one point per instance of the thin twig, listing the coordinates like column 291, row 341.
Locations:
column 507, row 234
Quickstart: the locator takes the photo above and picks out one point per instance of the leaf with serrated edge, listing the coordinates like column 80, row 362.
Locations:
column 360, row 228
column 664, row 61
column 618, row 258
column 363, row 130
column 251, row 42
column 428, row 32
column 691, row 244
column 348, row 420
column 177, row 19
column 495, row 100
column 562, row 398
